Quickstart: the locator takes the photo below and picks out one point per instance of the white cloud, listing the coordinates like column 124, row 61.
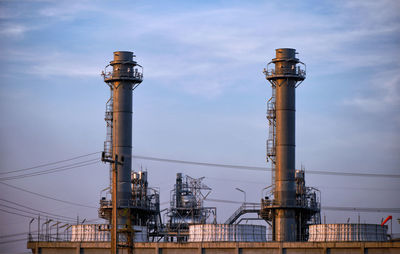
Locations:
column 66, row 10
column 381, row 95
column 54, row 63
column 243, row 34
column 212, row 43
column 13, row 30
column 63, row 69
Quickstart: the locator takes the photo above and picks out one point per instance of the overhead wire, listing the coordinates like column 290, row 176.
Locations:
column 242, row 167
column 318, row 187
column 256, row 168
column 17, row 234
column 22, row 215
column 53, row 170
column 16, row 240
column 32, row 213
column 43, row 212
column 332, row 208
column 361, row 209
column 49, row 164
column 47, row 197
column 13, row 222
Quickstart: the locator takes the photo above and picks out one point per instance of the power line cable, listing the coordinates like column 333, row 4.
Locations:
column 43, row 212
column 234, row 180
column 357, row 188
column 48, row 197
column 34, row 214
column 316, row 172
column 16, row 240
column 48, row 164
column 332, row 208
column 201, row 163
column 362, row 209
column 13, row 223
column 53, row 170
column 17, row 234
column 23, row 215
column 318, row 187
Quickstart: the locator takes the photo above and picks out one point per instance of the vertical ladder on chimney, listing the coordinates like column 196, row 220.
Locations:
column 271, row 141
column 109, row 138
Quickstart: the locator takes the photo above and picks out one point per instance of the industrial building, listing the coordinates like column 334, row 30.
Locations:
column 131, row 209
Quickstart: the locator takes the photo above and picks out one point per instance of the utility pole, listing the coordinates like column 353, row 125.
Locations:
column 114, row 222
column 114, row 216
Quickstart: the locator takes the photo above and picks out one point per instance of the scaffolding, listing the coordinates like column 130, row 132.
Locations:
column 187, row 207
column 143, row 207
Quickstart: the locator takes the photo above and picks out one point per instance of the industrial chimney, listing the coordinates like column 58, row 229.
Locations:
column 124, row 77
column 284, row 78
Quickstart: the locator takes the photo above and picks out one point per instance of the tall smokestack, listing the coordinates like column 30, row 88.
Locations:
column 125, row 76
column 281, row 146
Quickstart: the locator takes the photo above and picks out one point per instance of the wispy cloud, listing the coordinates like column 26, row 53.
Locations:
column 382, row 94
column 66, row 10
column 53, row 64
column 221, row 43
column 13, row 30
column 228, row 36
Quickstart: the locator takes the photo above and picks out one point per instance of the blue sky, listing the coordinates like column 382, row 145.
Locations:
column 204, row 95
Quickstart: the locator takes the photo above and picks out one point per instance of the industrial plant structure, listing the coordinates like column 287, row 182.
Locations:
column 288, row 203
column 132, row 208
column 187, row 207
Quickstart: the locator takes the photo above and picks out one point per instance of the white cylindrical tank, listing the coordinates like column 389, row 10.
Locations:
column 101, row 233
column 227, row 233
column 347, row 233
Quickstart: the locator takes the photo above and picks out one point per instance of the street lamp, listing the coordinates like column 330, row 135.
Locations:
column 243, row 193
column 30, row 235
column 56, row 224
column 63, row 226
column 47, row 227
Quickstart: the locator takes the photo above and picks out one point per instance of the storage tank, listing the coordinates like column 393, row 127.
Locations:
column 101, row 233
column 347, row 233
column 227, row 233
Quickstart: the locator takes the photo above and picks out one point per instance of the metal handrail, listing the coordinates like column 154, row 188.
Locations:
column 286, row 71
column 299, row 203
column 123, row 74
column 241, row 209
column 132, row 204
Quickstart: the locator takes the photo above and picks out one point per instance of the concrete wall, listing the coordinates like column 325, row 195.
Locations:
column 221, row 248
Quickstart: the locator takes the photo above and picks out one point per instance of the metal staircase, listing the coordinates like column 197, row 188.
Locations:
column 243, row 209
